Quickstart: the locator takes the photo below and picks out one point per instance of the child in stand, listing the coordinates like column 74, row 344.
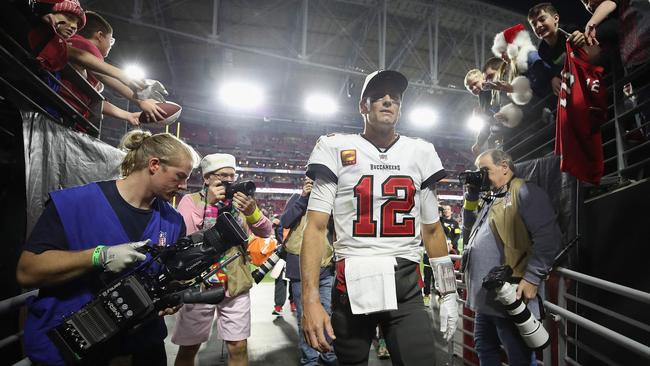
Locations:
column 545, row 22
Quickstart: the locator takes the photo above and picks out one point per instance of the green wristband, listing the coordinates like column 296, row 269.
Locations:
column 97, row 254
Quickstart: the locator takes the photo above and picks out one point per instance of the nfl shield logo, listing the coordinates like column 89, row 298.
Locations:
column 162, row 239
column 383, row 157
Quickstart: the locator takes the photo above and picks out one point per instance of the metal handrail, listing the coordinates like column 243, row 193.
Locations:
column 615, row 337
column 606, row 285
column 16, row 301
column 611, row 313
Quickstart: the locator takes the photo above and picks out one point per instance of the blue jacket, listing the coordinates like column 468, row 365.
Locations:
column 88, row 220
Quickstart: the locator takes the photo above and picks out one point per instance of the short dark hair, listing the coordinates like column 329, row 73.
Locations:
column 95, row 23
column 498, row 156
column 535, row 10
column 494, row 63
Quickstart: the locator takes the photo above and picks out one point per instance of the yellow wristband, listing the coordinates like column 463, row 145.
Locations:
column 470, row 205
column 254, row 217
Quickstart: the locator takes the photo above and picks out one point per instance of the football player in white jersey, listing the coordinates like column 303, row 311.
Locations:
column 379, row 187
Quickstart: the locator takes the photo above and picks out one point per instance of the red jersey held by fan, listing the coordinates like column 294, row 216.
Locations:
column 582, row 109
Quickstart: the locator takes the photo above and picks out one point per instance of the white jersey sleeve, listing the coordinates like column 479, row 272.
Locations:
column 430, row 166
column 323, row 161
column 322, row 196
column 428, row 206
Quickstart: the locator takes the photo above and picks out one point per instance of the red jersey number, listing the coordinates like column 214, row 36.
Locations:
column 364, row 225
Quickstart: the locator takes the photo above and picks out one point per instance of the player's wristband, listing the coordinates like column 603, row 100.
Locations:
column 470, row 205
column 97, row 256
column 443, row 273
column 254, row 217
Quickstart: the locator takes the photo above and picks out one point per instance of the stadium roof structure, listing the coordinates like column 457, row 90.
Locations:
column 294, row 47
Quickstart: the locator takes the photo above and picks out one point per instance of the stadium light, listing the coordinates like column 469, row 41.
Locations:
column 423, row 117
column 134, row 71
column 321, row 104
column 475, row 123
column 241, row 95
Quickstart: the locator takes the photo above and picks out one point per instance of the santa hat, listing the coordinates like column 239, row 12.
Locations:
column 72, row 7
column 516, row 42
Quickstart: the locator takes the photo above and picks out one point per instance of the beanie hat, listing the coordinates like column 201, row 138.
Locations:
column 516, row 43
column 72, row 7
column 213, row 162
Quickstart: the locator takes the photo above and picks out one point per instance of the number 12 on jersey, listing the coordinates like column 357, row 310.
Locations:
column 365, row 225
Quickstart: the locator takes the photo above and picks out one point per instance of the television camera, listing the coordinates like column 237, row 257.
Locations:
column 136, row 298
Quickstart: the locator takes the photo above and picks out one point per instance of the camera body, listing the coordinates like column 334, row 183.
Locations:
column 478, row 178
column 530, row 329
column 246, row 187
column 136, row 298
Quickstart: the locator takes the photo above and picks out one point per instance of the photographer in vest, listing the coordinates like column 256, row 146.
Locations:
column 295, row 220
column 199, row 211
column 89, row 235
column 514, row 224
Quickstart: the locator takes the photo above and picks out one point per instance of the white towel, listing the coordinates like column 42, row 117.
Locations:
column 370, row 282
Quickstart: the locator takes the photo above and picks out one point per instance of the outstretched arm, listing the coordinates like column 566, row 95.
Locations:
column 92, row 63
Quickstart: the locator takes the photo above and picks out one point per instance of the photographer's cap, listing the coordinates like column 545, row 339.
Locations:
column 384, row 79
column 213, row 162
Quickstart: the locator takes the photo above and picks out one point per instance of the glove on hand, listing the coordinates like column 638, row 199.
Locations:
column 153, row 90
column 448, row 315
column 117, row 258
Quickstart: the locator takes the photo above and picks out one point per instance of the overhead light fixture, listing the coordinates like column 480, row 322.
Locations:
column 475, row 123
column 321, row 104
column 134, row 71
column 423, row 117
column 241, row 95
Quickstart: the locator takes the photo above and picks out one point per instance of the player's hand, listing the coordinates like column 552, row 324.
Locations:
column 307, row 185
column 133, row 118
column 315, row 322
column 244, row 203
column 590, row 35
column 577, row 39
column 151, row 110
column 170, row 311
column 448, row 315
column 556, row 85
column 117, row 258
column 527, row 289
column 216, row 193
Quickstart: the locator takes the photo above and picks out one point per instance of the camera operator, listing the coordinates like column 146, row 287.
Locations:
column 199, row 210
column 514, row 224
column 97, row 228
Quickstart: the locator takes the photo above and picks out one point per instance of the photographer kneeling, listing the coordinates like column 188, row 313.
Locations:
column 199, row 210
column 514, row 224
column 100, row 227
